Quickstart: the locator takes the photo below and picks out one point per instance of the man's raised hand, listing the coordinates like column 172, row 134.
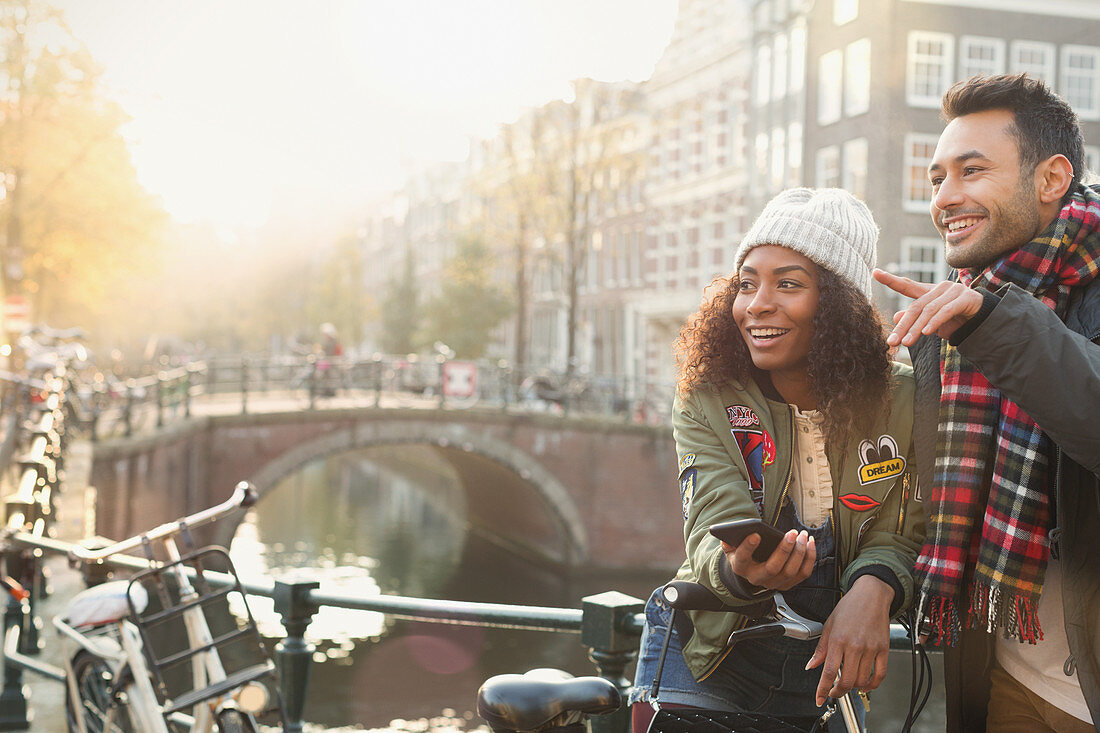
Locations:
column 940, row 309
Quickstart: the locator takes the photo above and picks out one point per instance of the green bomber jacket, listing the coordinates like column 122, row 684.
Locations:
column 734, row 441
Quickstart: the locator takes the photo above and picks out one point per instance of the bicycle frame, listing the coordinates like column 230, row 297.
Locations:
column 121, row 642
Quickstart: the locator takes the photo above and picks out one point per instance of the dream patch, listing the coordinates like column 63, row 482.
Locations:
column 686, row 462
column 742, row 417
column 859, row 502
column 687, row 488
column 758, row 450
column 879, row 461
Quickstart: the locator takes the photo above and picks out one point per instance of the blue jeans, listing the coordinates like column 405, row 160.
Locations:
column 765, row 676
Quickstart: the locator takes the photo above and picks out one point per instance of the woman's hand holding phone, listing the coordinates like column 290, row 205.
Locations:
column 786, row 566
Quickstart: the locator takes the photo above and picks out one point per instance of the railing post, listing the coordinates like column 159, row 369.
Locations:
column 14, row 712
column 160, row 398
column 244, row 385
column 377, row 370
column 187, row 383
column 311, row 362
column 294, row 653
column 611, row 647
column 128, row 410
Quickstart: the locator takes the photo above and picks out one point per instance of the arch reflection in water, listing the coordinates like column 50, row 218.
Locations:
column 386, row 519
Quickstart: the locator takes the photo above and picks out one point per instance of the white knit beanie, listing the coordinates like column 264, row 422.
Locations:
column 829, row 226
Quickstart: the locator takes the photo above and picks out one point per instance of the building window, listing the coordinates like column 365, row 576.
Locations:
column 845, row 11
column 1081, row 80
column 828, row 87
column 827, row 167
column 763, row 75
column 917, row 191
column 778, row 158
column 922, row 259
column 797, row 46
column 1092, row 165
column 857, row 77
column 977, row 55
column 794, row 154
column 854, row 178
column 929, row 67
column 762, row 156
column 779, row 80
column 1033, row 58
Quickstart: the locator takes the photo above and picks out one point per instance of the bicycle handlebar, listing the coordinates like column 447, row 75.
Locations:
column 244, row 495
column 772, row 617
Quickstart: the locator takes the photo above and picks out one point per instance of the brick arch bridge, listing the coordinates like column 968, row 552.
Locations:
column 576, row 492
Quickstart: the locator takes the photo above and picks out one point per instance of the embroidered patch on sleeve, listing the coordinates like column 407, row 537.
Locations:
column 879, row 461
column 742, row 417
column 687, row 489
column 686, row 462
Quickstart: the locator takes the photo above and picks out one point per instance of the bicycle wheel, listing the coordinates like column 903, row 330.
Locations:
column 93, row 685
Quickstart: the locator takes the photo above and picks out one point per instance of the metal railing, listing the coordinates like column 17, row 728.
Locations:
column 110, row 406
column 609, row 625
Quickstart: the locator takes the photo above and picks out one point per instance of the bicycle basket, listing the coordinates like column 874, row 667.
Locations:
column 715, row 721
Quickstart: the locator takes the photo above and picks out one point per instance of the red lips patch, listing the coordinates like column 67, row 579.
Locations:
column 859, row 502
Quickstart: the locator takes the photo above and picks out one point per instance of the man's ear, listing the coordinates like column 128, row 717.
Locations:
column 1053, row 177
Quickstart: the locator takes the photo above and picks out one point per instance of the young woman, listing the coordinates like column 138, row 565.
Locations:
column 789, row 409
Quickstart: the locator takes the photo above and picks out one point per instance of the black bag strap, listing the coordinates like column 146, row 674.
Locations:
column 661, row 662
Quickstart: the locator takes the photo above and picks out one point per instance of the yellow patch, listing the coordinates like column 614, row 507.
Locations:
column 881, row 470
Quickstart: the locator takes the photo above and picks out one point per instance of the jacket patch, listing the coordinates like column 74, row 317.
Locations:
column 742, row 417
column 859, row 502
column 686, row 462
column 879, row 461
column 758, row 450
column 687, row 489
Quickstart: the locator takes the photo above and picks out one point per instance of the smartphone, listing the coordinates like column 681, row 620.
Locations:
column 735, row 532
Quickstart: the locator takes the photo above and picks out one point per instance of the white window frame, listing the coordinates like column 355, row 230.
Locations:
column 857, row 77
column 830, row 99
column 1068, row 74
column 794, row 154
column 1044, row 71
column 1091, row 174
column 968, row 67
column 925, row 271
column 827, row 159
column 845, row 11
column 760, row 155
column 780, row 57
column 796, row 45
column 910, row 171
column 778, row 158
column 855, row 155
column 763, row 75
column 921, row 97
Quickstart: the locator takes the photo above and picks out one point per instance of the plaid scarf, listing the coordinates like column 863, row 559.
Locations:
column 992, row 459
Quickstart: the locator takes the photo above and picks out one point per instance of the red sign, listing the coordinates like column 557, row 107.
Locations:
column 17, row 313
column 459, row 378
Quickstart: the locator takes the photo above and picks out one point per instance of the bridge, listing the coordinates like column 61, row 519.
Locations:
column 588, row 492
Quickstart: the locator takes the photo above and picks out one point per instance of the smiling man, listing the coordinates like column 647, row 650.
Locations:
column 1007, row 361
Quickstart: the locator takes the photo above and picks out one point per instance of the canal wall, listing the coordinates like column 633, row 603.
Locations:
column 581, row 493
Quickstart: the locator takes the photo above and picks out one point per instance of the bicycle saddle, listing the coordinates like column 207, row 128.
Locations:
column 543, row 698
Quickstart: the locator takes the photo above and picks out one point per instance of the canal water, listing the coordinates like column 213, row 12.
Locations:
column 392, row 520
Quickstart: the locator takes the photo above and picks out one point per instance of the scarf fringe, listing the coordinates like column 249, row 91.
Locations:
column 989, row 609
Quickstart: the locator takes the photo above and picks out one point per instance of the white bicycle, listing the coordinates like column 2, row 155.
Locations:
column 162, row 651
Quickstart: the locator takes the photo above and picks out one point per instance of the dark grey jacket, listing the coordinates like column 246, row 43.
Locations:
column 1052, row 371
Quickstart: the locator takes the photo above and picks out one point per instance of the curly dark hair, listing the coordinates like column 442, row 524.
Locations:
column 849, row 363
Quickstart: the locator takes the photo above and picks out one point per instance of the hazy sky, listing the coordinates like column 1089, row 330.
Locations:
column 240, row 106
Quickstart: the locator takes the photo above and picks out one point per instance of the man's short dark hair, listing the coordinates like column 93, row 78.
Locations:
column 1045, row 124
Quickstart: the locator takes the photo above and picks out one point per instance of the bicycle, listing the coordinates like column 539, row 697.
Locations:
column 161, row 651
column 550, row 700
